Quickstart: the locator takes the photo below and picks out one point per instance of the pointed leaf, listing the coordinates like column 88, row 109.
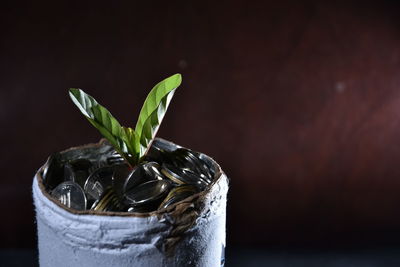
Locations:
column 152, row 123
column 153, row 100
column 103, row 120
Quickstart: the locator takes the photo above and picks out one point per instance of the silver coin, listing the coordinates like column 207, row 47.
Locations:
column 193, row 178
column 148, row 192
column 172, row 172
column 182, row 156
column 209, row 163
column 159, row 148
column 135, row 177
column 202, row 167
column 163, row 145
column 143, row 172
column 178, row 194
column 183, row 176
column 190, row 160
column 71, row 195
column 109, row 201
column 97, row 183
column 152, row 170
column 176, row 158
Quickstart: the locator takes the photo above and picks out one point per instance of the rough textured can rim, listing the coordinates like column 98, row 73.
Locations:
column 194, row 199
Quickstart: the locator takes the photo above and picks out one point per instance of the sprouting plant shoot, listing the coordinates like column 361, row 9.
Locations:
column 131, row 144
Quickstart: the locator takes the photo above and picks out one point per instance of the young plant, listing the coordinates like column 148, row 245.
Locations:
column 131, row 144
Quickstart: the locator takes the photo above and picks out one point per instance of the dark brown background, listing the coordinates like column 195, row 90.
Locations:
column 299, row 103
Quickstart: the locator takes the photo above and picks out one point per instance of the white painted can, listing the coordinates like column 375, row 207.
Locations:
column 121, row 239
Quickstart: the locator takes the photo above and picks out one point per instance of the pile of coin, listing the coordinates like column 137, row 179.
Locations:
column 98, row 178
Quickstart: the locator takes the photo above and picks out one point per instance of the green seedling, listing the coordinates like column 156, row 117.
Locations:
column 131, row 144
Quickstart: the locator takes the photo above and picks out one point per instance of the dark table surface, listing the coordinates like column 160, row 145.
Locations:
column 244, row 257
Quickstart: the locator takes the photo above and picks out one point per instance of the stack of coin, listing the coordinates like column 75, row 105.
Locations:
column 167, row 174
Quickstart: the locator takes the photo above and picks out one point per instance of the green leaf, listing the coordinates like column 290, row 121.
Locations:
column 108, row 126
column 131, row 139
column 153, row 110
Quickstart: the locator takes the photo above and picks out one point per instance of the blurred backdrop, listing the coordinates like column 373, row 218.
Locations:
column 299, row 101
